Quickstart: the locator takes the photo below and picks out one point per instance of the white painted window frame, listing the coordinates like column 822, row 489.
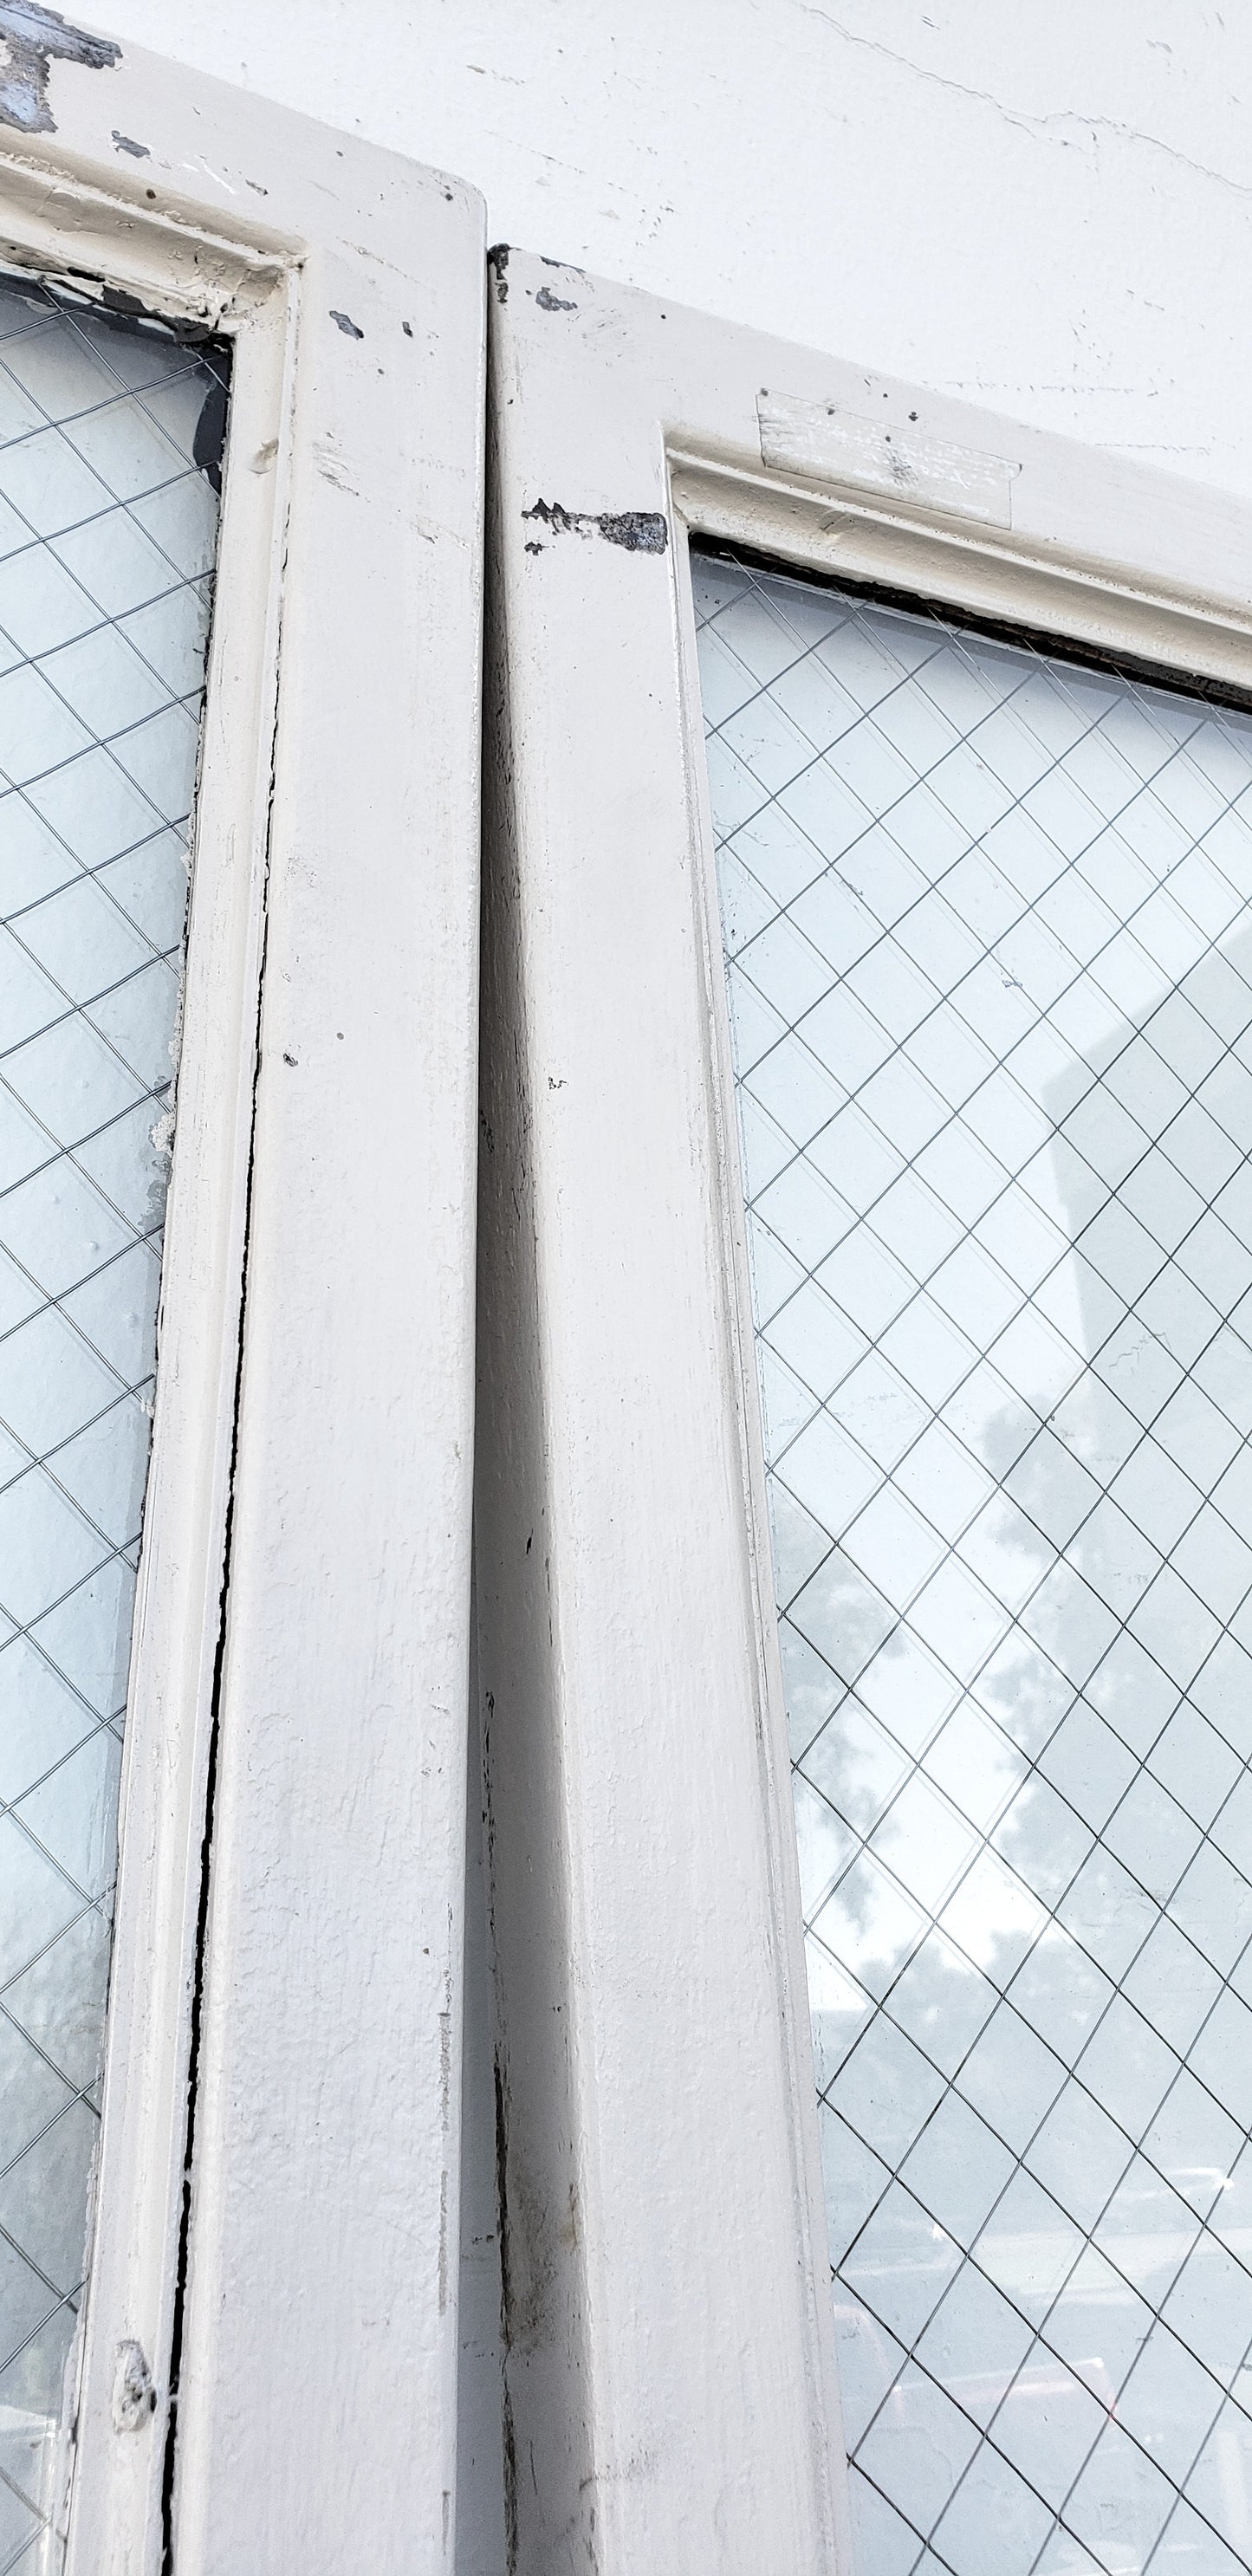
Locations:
column 288, row 1941
column 671, row 2399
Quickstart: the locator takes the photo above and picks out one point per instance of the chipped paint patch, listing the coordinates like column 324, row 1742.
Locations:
column 134, row 2394
column 641, row 532
column 351, row 330
column 497, row 262
column 126, row 143
column 550, row 303
column 34, row 38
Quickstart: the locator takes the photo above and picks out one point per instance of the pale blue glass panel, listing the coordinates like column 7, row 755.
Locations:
column 109, row 434
column 989, row 964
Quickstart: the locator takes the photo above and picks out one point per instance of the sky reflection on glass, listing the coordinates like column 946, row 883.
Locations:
column 107, row 539
column 989, row 965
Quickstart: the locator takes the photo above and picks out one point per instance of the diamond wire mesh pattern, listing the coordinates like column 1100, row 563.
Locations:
column 989, row 960
column 107, row 537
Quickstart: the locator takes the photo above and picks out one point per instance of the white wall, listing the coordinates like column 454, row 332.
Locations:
column 1043, row 204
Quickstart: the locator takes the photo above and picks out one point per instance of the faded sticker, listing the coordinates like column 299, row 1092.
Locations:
column 825, row 442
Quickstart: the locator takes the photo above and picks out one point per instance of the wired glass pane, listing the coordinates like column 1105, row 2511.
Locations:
column 109, row 436
column 989, row 961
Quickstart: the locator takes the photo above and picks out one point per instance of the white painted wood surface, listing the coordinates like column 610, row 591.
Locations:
column 666, row 2363
column 325, row 1171
column 670, row 2399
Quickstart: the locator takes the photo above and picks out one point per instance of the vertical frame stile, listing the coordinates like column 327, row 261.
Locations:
column 297, row 1712
column 338, row 1845
column 620, row 1410
column 665, row 2383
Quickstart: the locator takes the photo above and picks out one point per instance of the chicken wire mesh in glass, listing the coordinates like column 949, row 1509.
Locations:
column 989, row 961
column 109, row 436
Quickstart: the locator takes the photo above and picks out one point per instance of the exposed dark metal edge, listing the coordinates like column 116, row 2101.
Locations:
column 182, row 2272
column 1052, row 646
